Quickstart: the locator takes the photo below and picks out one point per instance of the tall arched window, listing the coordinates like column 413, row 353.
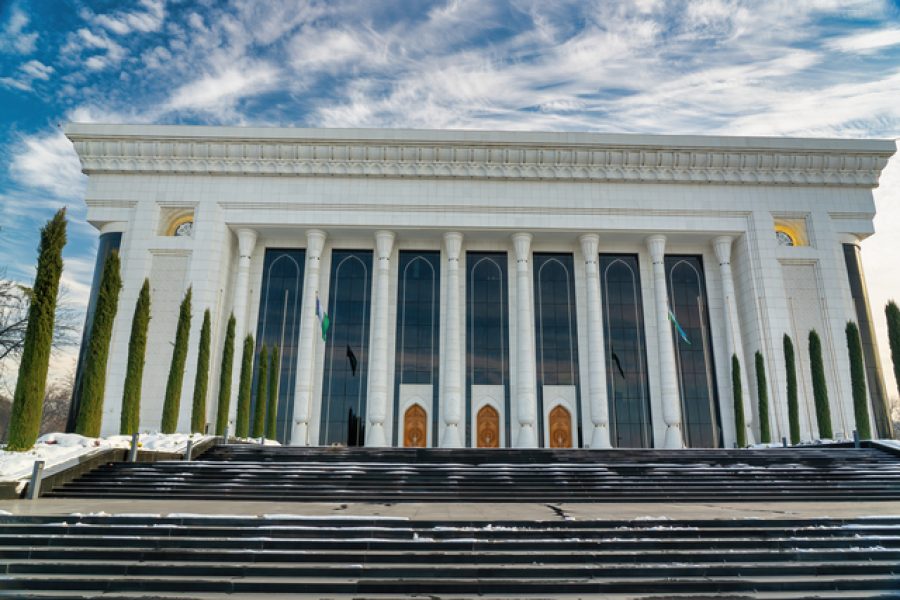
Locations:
column 625, row 352
column 346, row 354
column 693, row 351
column 278, row 326
column 418, row 306
column 556, row 339
column 487, row 330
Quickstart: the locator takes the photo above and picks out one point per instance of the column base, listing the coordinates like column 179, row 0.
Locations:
column 450, row 437
column 375, row 437
column 298, row 434
column 600, row 437
column 526, row 437
column 673, row 437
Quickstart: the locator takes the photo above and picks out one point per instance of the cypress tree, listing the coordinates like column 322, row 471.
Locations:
column 28, row 400
column 176, row 369
column 762, row 394
column 272, row 410
column 820, row 388
column 793, row 404
column 201, row 380
column 242, row 425
column 858, row 381
column 137, row 349
column 225, row 379
column 93, row 386
column 259, row 408
column 893, row 324
column 740, row 426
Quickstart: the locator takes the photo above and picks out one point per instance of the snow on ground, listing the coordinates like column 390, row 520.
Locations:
column 58, row 449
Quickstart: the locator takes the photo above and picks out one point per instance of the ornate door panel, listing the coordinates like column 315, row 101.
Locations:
column 488, row 427
column 560, row 424
column 415, row 428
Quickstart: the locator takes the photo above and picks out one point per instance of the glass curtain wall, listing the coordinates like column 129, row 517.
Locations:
column 278, row 326
column 626, row 352
column 693, row 351
column 347, row 347
column 418, row 301
column 487, row 328
column 556, row 332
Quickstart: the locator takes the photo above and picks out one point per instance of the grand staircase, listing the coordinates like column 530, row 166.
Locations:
column 247, row 472
column 201, row 557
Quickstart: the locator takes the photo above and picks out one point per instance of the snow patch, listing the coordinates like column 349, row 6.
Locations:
column 67, row 449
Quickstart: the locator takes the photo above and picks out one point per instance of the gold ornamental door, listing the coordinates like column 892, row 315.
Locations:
column 560, row 423
column 415, row 428
column 488, row 427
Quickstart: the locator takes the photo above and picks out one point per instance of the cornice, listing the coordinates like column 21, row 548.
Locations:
column 539, row 157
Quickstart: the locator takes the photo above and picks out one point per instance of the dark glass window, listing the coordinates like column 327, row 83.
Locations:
column 556, row 333
column 418, row 304
column 347, row 347
column 693, row 351
column 106, row 244
column 278, row 326
column 626, row 357
column 487, row 327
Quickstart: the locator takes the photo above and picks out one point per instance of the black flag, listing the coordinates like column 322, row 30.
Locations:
column 352, row 358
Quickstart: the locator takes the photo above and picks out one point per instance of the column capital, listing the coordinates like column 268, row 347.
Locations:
column 722, row 246
column 315, row 241
column 590, row 242
column 453, row 243
column 656, row 244
column 384, row 243
column 246, row 241
column 522, row 245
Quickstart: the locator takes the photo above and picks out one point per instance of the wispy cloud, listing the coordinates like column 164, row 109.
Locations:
column 14, row 39
column 868, row 41
column 48, row 162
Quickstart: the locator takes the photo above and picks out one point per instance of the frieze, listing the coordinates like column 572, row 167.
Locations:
column 461, row 159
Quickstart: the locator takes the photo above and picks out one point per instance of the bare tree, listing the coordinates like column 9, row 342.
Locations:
column 56, row 403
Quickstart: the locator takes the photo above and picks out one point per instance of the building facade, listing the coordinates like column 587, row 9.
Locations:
column 493, row 289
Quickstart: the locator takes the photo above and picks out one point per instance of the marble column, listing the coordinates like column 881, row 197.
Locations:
column 451, row 362
column 246, row 244
column 526, row 399
column 378, row 352
column 733, row 342
column 668, row 376
column 596, row 346
column 310, row 333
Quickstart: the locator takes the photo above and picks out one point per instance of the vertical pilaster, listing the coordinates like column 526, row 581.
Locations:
column 378, row 353
column 525, row 362
column 451, row 364
column 246, row 244
column 668, row 376
column 309, row 333
column 597, row 373
column 733, row 342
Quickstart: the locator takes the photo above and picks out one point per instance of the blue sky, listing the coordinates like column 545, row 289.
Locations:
column 785, row 67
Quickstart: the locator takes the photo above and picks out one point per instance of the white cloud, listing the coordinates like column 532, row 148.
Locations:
column 219, row 93
column 14, row 39
column 144, row 21
column 867, row 42
column 28, row 72
column 49, row 162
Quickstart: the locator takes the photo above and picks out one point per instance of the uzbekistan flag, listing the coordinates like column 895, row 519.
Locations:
column 322, row 316
column 678, row 327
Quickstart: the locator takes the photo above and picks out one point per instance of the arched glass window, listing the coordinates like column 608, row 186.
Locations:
column 487, row 330
column 556, row 333
column 278, row 325
column 693, row 351
column 626, row 358
column 347, row 346
column 418, row 306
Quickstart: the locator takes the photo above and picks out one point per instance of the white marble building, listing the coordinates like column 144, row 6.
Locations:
column 491, row 288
